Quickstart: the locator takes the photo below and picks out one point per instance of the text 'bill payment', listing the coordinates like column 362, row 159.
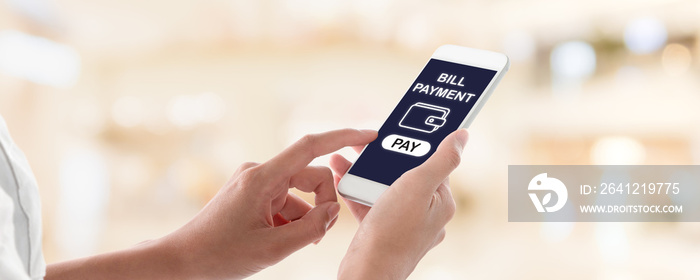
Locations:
column 443, row 92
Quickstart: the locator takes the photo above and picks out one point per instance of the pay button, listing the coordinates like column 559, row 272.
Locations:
column 406, row 145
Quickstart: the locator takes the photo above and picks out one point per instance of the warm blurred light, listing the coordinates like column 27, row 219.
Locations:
column 627, row 75
column 616, row 273
column 190, row 110
column 612, row 242
column 645, row 35
column 618, row 151
column 155, row 119
column 372, row 8
column 38, row 60
column 211, row 106
column 245, row 19
column 630, row 80
column 127, row 111
column 131, row 173
column 436, row 272
column 572, row 63
column 519, row 46
column 556, row 232
column 676, row 59
column 320, row 11
column 181, row 112
column 688, row 199
column 41, row 11
column 573, row 60
column 86, row 115
column 414, row 32
column 373, row 18
column 83, row 194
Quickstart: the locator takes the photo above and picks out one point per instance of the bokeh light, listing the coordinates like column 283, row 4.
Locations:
column 189, row 110
column 414, row 32
column 612, row 242
column 571, row 63
column 618, row 150
column 519, row 46
column 128, row 111
column 38, row 59
column 573, row 60
column 676, row 59
column 645, row 35
column 84, row 191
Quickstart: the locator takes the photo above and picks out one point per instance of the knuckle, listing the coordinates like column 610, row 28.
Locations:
column 318, row 230
column 249, row 175
column 309, row 140
column 273, row 251
column 245, row 166
column 450, row 209
column 440, row 237
column 326, row 171
column 243, row 174
column 248, row 164
column 309, row 143
column 453, row 158
column 245, row 177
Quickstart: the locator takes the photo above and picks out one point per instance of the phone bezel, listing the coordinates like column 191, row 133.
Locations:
column 366, row 191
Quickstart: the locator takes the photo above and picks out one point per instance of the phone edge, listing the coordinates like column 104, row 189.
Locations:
column 439, row 53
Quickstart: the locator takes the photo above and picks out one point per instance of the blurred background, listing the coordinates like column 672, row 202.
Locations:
column 133, row 114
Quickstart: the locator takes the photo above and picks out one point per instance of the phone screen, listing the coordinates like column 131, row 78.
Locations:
column 434, row 106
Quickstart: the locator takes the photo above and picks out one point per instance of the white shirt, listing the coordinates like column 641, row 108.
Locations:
column 20, row 215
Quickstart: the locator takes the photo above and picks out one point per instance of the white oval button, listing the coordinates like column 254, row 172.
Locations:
column 406, row 145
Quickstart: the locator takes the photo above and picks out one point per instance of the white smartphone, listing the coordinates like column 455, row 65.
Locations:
column 446, row 96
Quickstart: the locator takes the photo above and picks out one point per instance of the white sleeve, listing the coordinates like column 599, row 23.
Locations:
column 20, row 214
column 11, row 266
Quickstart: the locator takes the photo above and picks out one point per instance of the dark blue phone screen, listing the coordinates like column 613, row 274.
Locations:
column 434, row 106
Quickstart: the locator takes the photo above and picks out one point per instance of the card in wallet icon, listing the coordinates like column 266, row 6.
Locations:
column 424, row 117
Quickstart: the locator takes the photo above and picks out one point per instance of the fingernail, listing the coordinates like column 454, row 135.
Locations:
column 462, row 136
column 333, row 211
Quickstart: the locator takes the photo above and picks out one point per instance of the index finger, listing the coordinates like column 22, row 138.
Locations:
column 301, row 153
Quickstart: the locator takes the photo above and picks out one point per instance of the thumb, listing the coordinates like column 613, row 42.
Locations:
column 309, row 228
column 428, row 176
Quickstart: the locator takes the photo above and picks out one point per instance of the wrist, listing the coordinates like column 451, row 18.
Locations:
column 176, row 260
column 375, row 262
column 156, row 259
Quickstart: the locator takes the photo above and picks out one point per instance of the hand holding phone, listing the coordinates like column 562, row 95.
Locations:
column 446, row 96
column 406, row 221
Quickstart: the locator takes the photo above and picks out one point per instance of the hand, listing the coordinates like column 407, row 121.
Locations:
column 407, row 220
column 254, row 222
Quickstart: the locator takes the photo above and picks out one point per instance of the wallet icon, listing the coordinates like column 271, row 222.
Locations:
column 424, row 117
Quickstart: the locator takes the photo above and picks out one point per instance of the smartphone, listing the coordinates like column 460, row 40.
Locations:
column 446, row 96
